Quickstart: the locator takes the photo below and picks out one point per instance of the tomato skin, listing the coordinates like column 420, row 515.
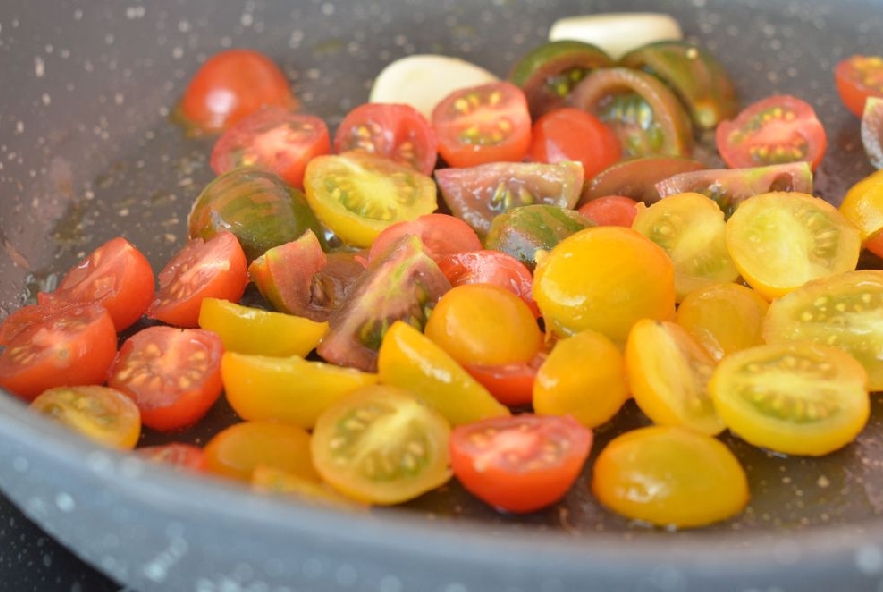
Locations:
column 775, row 130
column 229, row 86
column 442, row 235
column 102, row 414
column 574, row 134
column 176, row 455
column 857, row 78
column 71, row 346
column 173, row 375
column 117, row 275
column 510, row 384
column 274, row 139
column 872, row 131
column 610, row 210
column 637, row 178
column 482, row 124
column 491, row 267
column 394, row 130
column 521, row 463
column 216, row 267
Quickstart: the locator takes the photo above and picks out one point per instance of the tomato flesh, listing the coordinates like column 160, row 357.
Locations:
column 522, row 463
column 872, row 131
column 859, row 78
column 176, row 455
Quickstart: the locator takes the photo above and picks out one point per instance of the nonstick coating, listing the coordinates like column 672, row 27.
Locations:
column 87, row 152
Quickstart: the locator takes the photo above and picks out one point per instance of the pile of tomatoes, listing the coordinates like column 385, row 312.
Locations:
column 374, row 341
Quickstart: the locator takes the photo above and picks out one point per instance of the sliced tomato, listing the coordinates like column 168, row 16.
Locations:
column 478, row 194
column 637, row 177
column 858, row 78
column 102, row 414
column 394, row 130
column 775, row 130
column 510, row 384
column 574, row 134
column 177, row 455
column 229, row 86
column 442, row 235
column 872, row 131
column 520, row 463
column 238, row 450
column 31, row 314
column 484, row 123
column 216, row 268
column 274, row 139
column 357, row 195
column 72, row 346
column 116, row 275
column 490, row 267
column 610, row 210
column 173, row 375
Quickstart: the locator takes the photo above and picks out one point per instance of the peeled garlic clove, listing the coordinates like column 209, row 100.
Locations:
column 617, row 33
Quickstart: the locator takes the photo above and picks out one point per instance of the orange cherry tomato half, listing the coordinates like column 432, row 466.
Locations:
column 610, row 210
column 490, row 267
column 775, row 130
column 231, row 85
column 519, row 463
column 859, row 77
column 394, row 130
column 574, row 134
column 214, row 268
column 71, row 346
column 273, row 139
column 173, row 375
column 484, row 123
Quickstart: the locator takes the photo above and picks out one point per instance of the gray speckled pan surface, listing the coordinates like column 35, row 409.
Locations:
column 87, row 152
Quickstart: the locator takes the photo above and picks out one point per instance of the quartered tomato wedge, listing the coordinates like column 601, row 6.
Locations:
column 637, row 178
column 71, row 346
column 442, row 236
column 394, row 130
column 357, row 195
column 520, row 463
column 116, row 275
column 858, row 78
column 173, row 375
column 490, row 267
column 775, row 130
column 102, row 414
column 485, row 123
column 274, row 139
column 216, row 268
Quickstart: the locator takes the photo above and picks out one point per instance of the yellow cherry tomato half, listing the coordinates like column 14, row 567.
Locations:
column 863, row 205
column 273, row 481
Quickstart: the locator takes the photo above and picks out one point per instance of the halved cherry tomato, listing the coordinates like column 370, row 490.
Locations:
column 574, row 134
column 116, row 275
column 520, row 463
column 274, row 139
column 394, row 130
column 859, row 77
column 872, row 131
column 31, row 314
column 381, row 444
column 102, row 414
column 670, row 476
column 410, row 360
column 863, row 207
column 71, row 346
column 610, row 210
column 794, row 398
column 442, row 235
column 177, row 455
column 237, row 451
column 510, row 384
column 216, row 268
column 274, row 481
column 484, row 123
column 229, row 86
column 491, row 267
column 775, row 130
column 173, row 375
column 357, row 194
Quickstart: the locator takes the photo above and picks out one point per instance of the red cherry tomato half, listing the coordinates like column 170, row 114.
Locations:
column 394, row 130
column 484, row 123
column 69, row 346
column 510, row 384
column 610, row 210
column 231, row 85
column 116, row 275
column 32, row 314
column 574, row 134
column 173, row 375
column 441, row 234
column 185, row 457
column 490, row 267
column 216, row 267
column 273, row 139
column 859, row 77
column 519, row 463
column 776, row 130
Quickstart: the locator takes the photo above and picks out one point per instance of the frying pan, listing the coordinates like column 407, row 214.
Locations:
column 87, row 152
